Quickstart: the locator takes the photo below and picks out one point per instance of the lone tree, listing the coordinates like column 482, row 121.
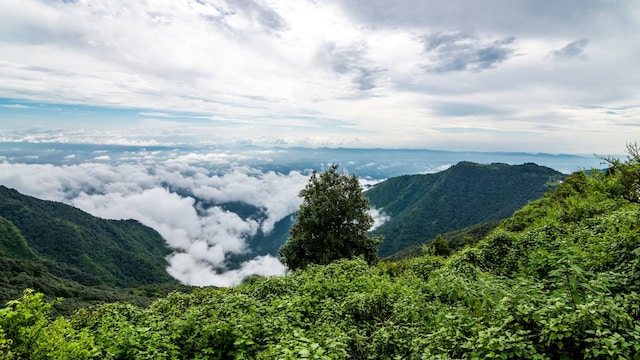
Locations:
column 331, row 224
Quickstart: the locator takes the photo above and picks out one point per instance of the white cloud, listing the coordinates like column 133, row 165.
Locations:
column 201, row 239
column 14, row 106
column 172, row 216
column 190, row 271
column 379, row 218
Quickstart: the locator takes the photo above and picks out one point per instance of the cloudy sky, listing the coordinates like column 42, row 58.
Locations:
column 530, row 75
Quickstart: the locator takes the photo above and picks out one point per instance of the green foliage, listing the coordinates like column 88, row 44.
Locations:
column 29, row 332
column 331, row 224
column 627, row 174
column 558, row 280
column 18, row 275
column 423, row 206
column 439, row 246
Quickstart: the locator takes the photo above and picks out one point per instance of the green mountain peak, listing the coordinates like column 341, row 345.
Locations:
column 423, row 206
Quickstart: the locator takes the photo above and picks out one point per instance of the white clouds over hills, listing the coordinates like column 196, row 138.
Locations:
column 213, row 206
column 200, row 237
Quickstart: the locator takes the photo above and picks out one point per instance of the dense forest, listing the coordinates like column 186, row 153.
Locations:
column 423, row 206
column 559, row 279
column 455, row 240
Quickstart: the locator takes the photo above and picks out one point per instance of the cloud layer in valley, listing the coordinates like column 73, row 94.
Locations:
column 487, row 76
column 183, row 195
column 169, row 198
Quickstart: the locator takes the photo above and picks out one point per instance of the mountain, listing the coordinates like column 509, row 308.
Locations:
column 423, row 206
column 63, row 251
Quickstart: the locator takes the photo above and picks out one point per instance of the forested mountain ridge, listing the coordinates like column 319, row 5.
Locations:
column 63, row 251
column 423, row 206
column 112, row 252
column 560, row 279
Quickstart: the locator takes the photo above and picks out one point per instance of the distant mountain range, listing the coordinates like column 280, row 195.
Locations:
column 365, row 162
column 423, row 206
column 62, row 251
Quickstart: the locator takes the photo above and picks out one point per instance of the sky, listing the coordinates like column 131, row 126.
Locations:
column 495, row 75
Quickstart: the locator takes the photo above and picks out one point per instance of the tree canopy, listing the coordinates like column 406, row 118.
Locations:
column 332, row 222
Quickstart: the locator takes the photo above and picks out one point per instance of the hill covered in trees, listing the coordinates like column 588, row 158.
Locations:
column 560, row 279
column 64, row 252
column 423, row 206
column 455, row 240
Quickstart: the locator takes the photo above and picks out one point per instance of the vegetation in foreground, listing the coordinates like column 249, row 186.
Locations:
column 558, row 280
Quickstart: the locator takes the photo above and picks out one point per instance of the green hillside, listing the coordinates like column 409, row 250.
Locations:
column 560, row 279
column 455, row 240
column 12, row 243
column 62, row 251
column 423, row 206
column 107, row 252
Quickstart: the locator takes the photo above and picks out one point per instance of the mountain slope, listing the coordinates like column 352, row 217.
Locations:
column 422, row 206
column 64, row 252
column 456, row 240
column 105, row 252
column 12, row 242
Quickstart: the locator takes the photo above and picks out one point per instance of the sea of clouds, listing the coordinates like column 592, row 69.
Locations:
column 169, row 195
